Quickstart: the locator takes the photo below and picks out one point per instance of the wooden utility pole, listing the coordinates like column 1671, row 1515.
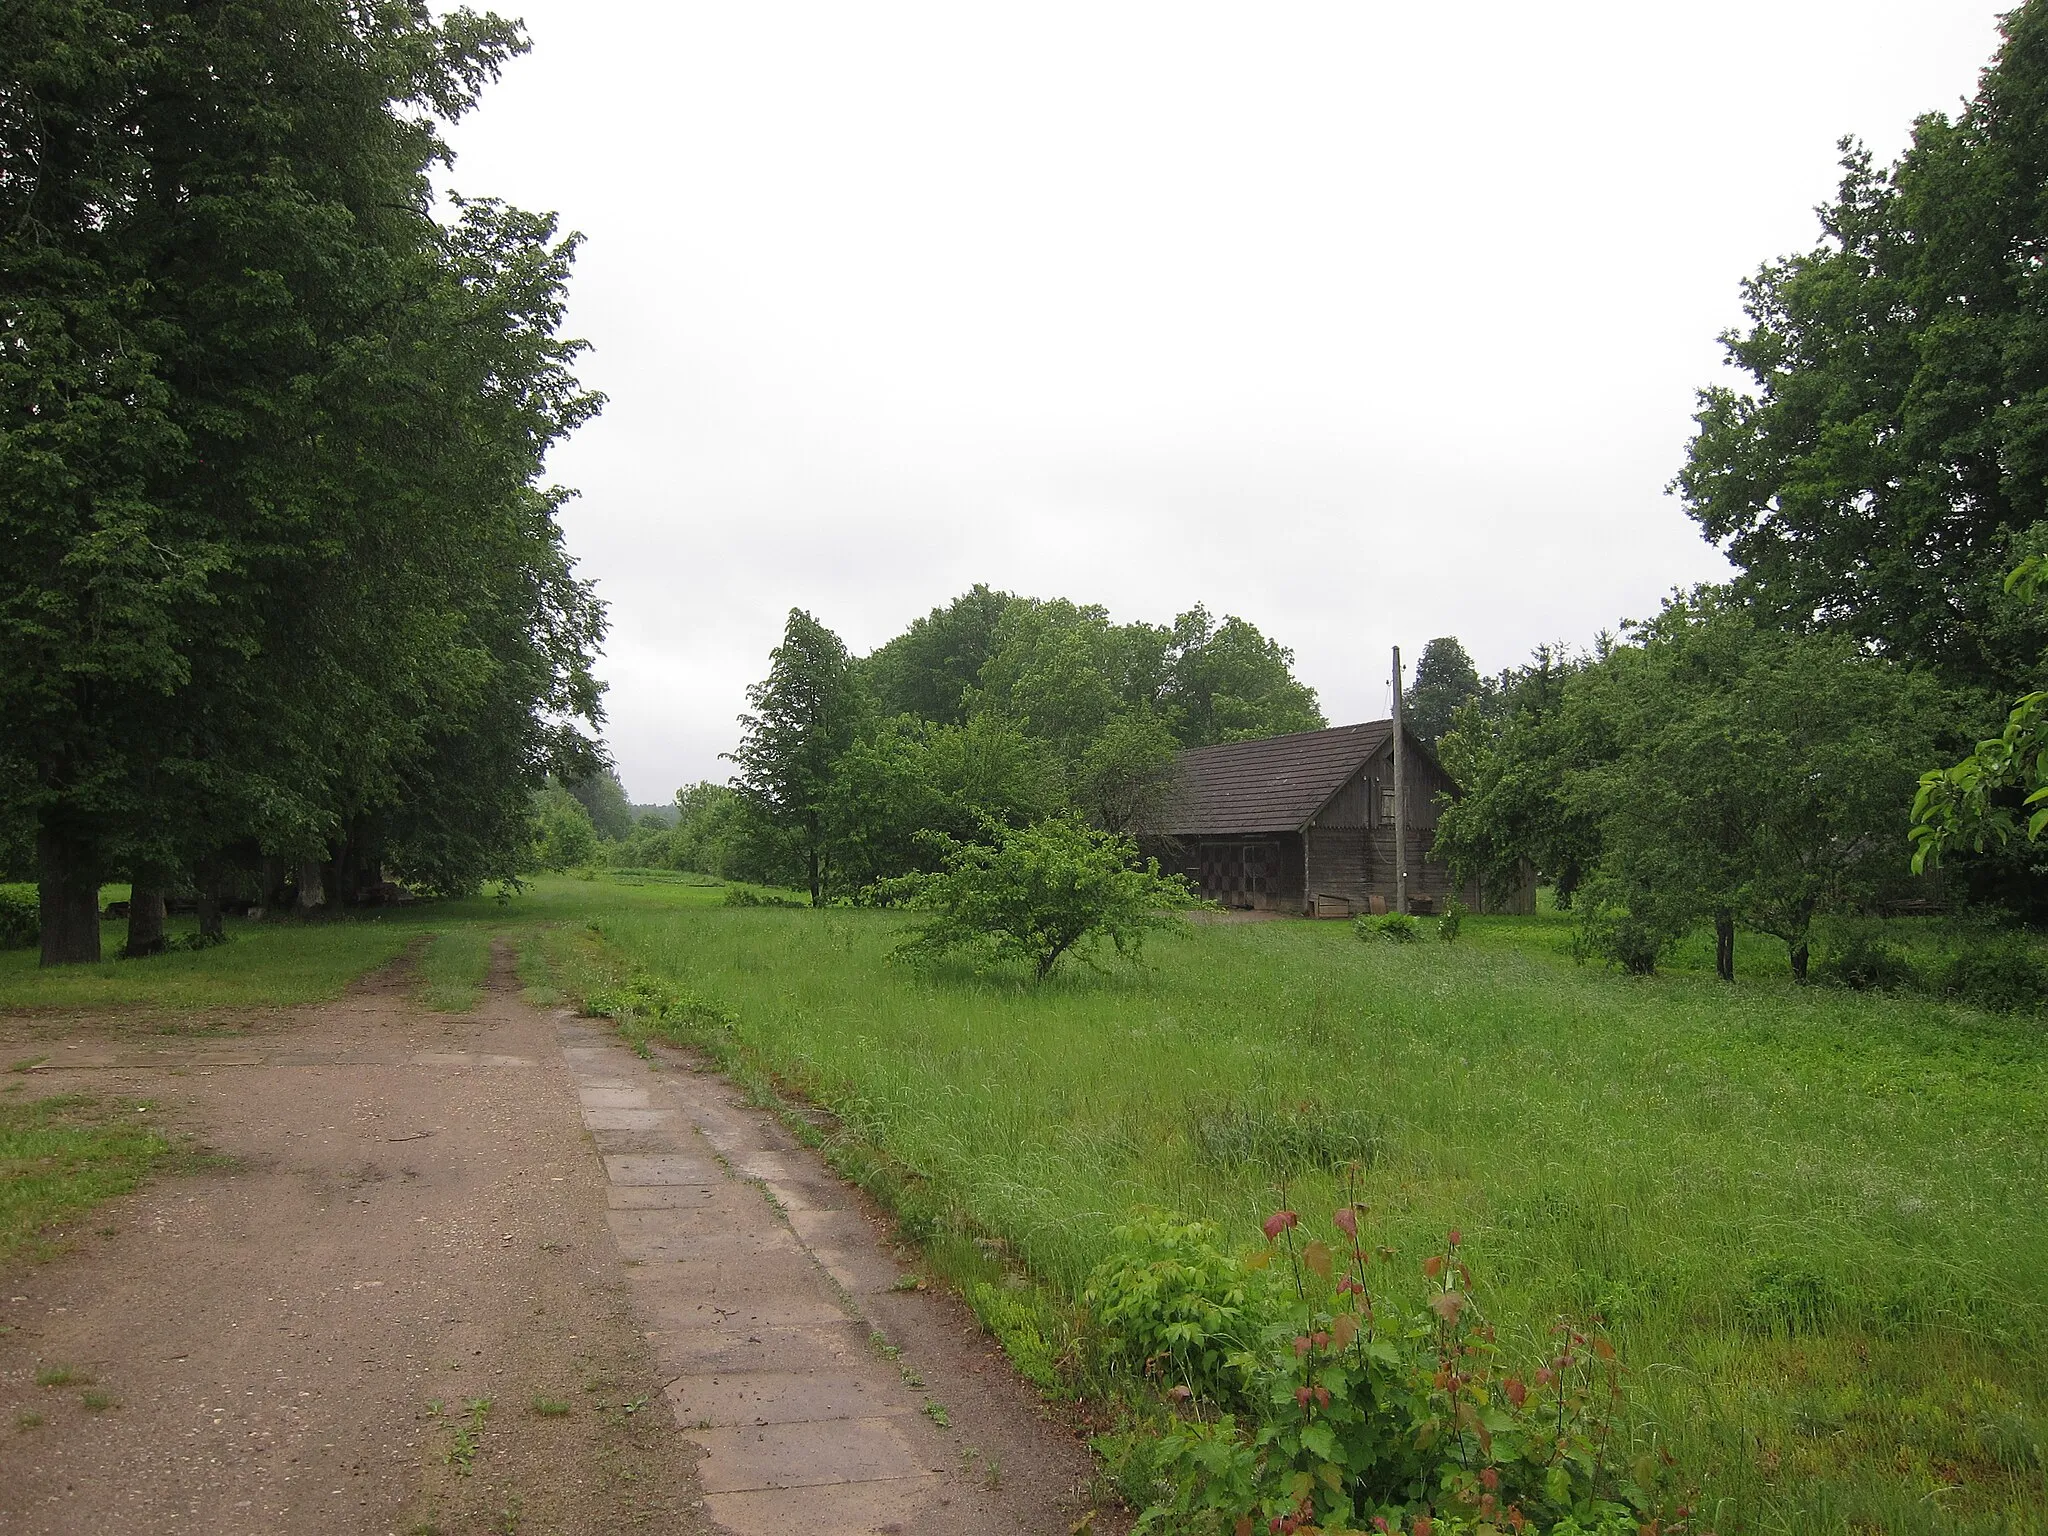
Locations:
column 1400, row 799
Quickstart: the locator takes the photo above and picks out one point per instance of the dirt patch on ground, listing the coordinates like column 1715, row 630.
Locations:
column 396, row 1308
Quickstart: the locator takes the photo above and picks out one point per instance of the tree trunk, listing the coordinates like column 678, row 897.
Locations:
column 1799, row 961
column 817, row 874
column 212, row 930
column 274, row 873
column 69, row 890
column 145, row 922
column 312, row 891
column 1724, row 945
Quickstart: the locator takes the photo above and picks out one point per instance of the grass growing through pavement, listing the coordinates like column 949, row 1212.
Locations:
column 1812, row 1218
column 61, row 1154
column 452, row 971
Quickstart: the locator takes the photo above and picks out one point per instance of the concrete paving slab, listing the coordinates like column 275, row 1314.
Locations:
column 727, row 1351
column 612, row 1095
column 785, row 1397
column 859, row 1271
column 659, row 1197
column 640, row 1170
column 807, row 1455
column 627, row 1119
column 891, row 1508
column 672, row 1309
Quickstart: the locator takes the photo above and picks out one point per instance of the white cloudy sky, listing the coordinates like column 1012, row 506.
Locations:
column 1368, row 322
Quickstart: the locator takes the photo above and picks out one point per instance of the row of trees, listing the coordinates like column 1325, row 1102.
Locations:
column 284, row 588
column 1751, row 755
column 993, row 710
column 1708, row 767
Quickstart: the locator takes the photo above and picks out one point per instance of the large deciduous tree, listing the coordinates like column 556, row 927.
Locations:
column 1445, row 681
column 279, row 575
column 1889, row 452
column 806, row 712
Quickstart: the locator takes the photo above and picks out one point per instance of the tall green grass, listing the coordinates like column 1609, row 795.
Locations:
column 1812, row 1219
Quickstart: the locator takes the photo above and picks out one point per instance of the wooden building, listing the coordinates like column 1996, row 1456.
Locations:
column 1305, row 823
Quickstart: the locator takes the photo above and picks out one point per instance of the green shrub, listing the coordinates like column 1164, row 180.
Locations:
column 1342, row 1412
column 21, row 917
column 1174, row 1307
column 1035, row 894
column 1453, row 919
column 2004, row 975
column 1014, row 1317
column 741, row 896
column 1864, row 964
column 1388, row 928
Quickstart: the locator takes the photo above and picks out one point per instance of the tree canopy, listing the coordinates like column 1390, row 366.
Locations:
column 282, row 580
column 1889, row 458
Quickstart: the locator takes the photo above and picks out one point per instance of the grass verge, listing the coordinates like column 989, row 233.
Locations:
column 64, row 1154
column 1810, row 1218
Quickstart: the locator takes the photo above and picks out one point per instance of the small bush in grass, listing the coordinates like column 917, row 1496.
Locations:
column 1388, row 928
column 741, row 896
column 21, row 917
column 1036, row 894
column 1452, row 921
column 2004, row 975
column 1864, row 964
column 1329, row 1409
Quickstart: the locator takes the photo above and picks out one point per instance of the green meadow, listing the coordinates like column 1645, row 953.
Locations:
column 1811, row 1219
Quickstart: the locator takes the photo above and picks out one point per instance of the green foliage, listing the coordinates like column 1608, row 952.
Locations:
column 1035, row 894
column 805, row 714
column 2004, row 975
column 1513, row 754
column 1877, row 475
column 1711, row 766
column 283, row 577
column 743, row 896
column 1227, row 682
column 905, row 786
column 1387, row 928
column 1452, row 923
column 21, row 921
column 1281, row 1137
column 1171, row 1306
column 1340, row 1411
column 1017, row 1318
column 604, row 797
column 1125, row 776
column 1865, row 964
column 563, row 835
column 1445, row 682
column 930, row 671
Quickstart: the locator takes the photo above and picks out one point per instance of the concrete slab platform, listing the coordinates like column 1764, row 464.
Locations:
column 659, row 1197
column 728, row 1351
column 891, row 1508
column 642, row 1169
column 627, row 1119
column 785, row 1397
column 807, row 1455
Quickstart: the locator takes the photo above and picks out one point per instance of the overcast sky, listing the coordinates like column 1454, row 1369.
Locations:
column 1366, row 322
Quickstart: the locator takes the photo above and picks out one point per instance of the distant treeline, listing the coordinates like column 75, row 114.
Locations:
column 993, row 709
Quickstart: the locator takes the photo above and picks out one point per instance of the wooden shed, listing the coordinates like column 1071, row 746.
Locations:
column 1305, row 823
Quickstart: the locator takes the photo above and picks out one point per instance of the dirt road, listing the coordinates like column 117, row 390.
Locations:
column 402, row 1305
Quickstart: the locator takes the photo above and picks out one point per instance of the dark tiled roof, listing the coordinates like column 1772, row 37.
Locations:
column 1272, row 785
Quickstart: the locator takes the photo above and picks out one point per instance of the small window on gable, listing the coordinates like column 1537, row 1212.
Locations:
column 1387, row 807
